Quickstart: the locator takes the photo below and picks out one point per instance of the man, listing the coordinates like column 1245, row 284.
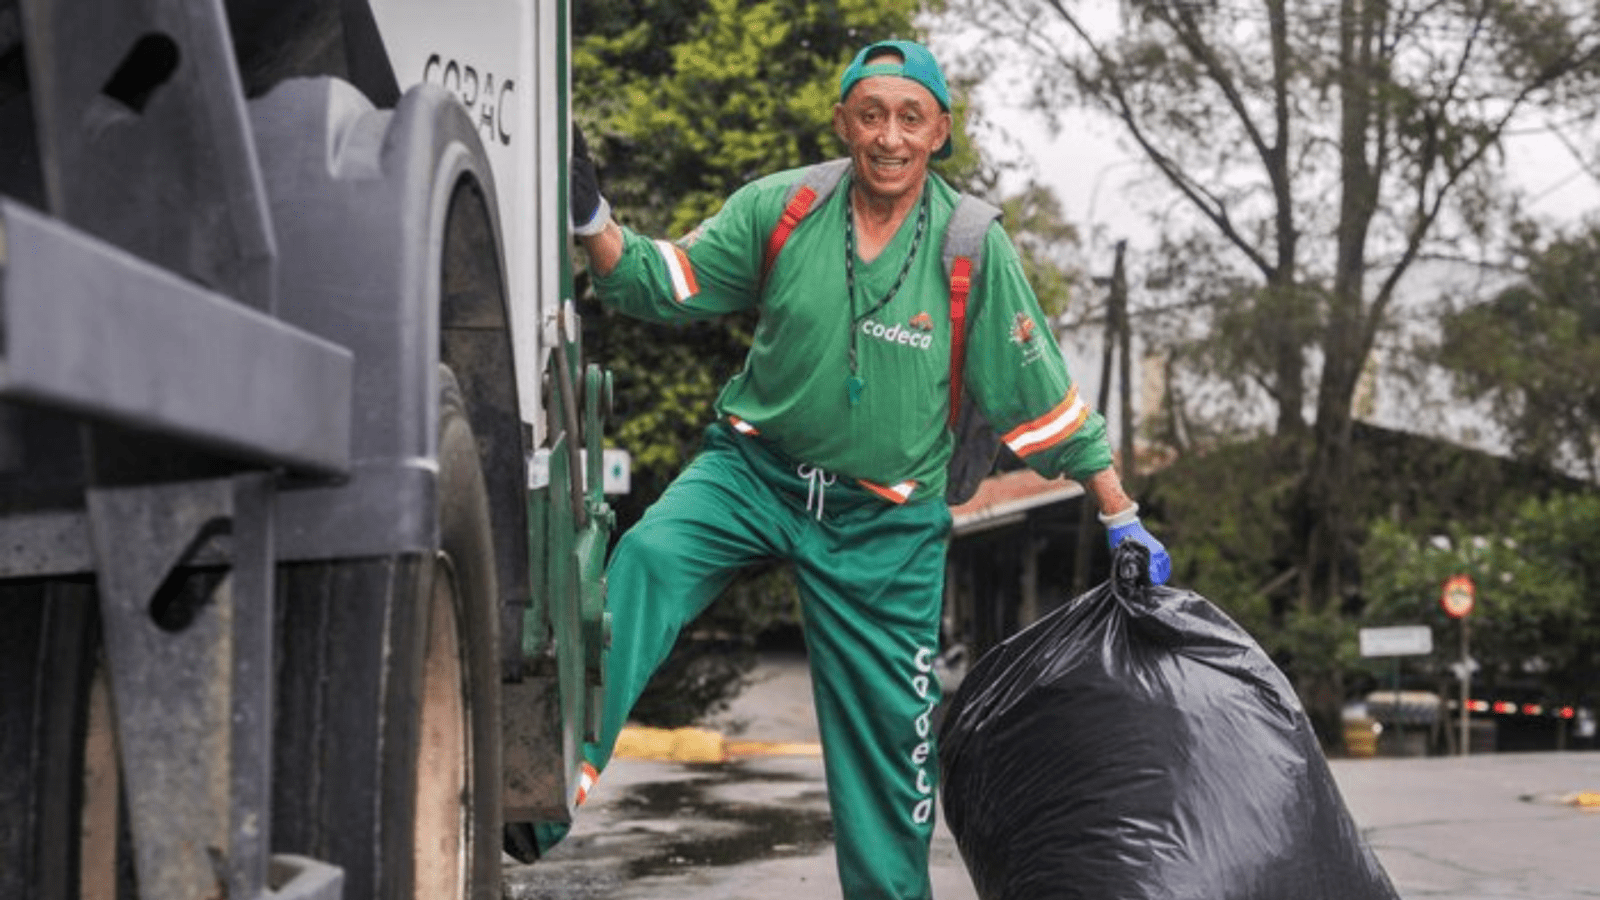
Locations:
column 831, row 446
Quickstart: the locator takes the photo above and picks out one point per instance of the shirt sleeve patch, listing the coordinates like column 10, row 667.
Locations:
column 679, row 270
column 1024, row 335
column 1049, row 429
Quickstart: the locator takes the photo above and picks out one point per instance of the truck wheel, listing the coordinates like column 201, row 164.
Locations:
column 387, row 726
column 387, row 733
column 62, row 827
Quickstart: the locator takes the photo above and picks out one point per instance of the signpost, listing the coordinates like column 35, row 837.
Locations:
column 1457, row 598
column 1396, row 641
column 1399, row 640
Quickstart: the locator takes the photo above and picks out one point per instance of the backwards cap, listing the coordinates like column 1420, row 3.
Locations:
column 916, row 63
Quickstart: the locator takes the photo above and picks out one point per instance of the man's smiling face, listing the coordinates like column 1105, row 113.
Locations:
column 892, row 127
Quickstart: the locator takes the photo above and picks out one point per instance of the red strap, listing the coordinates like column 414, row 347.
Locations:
column 798, row 206
column 960, row 286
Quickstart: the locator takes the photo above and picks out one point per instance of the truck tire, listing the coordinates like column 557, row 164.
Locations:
column 387, row 731
column 387, row 727
column 62, row 828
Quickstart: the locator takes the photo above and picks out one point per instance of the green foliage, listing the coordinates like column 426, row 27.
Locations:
column 1309, row 155
column 1537, row 573
column 1224, row 515
column 1222, row 520
column 1034, row 218
column 1533, row 351
column 732, row 90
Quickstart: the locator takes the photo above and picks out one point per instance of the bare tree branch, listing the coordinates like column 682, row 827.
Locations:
column 1207, row 203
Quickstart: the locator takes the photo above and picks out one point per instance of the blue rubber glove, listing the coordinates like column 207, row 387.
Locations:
column 1125, row 525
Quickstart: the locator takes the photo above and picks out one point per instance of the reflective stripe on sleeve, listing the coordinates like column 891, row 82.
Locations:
column 679, row 270
column 1049, row 429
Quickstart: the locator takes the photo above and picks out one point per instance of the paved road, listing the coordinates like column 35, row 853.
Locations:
column 1494, row 827
column 1490, row 827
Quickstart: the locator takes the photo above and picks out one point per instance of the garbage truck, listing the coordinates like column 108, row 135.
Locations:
column 302, row 527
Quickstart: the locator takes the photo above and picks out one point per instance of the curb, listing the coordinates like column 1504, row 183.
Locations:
column 700, row 745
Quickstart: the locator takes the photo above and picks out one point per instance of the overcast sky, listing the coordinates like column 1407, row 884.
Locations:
column 1098, row 182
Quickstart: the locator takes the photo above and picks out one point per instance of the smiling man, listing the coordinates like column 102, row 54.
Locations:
column 831, row 446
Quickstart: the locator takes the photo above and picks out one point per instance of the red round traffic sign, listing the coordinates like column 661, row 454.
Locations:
column 1458, row 596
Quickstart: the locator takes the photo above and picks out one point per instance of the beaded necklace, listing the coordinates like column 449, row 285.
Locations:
column 854, row 385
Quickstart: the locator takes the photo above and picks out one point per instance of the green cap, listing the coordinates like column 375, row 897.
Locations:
column 916, row 63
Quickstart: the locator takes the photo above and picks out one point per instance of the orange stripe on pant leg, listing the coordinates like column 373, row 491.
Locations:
column 586, row 780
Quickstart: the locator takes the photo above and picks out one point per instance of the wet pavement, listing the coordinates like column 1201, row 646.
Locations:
column 756, row 827
column 753, row 828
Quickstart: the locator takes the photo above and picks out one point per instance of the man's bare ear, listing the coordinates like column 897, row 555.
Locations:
column 839, row 122
column 947, row 122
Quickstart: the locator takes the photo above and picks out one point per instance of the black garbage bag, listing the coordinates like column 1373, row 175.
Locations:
column 1136, row 743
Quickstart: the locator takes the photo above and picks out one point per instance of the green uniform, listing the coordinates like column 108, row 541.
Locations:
column 852, row 493
column 792, row 388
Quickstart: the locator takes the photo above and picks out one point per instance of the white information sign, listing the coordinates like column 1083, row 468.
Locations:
column 1398, row 640
column 618, row 473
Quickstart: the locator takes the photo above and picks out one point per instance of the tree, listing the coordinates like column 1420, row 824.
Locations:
column 1533, row 351
column 1430, row 489
column 1316, row 151
column 1536, row 571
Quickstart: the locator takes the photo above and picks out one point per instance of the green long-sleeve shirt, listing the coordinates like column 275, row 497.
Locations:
column 792, row 390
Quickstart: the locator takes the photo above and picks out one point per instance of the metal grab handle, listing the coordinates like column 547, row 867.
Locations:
column 569, row 416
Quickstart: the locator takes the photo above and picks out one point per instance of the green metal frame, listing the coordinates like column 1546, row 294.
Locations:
column 570, row 522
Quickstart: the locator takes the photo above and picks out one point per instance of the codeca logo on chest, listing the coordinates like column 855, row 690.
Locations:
column 918, row 333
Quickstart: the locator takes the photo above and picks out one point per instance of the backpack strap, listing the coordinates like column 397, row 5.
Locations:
column 813, row 186
column 963, row 253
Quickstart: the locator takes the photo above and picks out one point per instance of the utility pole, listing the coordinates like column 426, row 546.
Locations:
column 1119, row 308
column 1115, row 336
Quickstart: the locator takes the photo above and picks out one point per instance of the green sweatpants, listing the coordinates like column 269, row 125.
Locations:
column 871, row 578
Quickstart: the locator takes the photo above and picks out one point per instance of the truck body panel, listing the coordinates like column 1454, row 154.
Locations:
column 299, row 461
column 504, row 61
